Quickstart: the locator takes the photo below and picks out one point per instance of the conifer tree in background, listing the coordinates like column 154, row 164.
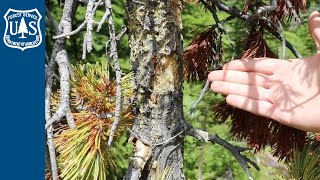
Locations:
column 90, row 106
column 22, row 28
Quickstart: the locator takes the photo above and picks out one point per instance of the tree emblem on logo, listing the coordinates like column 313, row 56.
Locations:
column 22, row 29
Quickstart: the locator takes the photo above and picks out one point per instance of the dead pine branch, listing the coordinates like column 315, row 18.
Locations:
column 67, row 35
column 80, row 27
column 234, row 12
column 87, row 40
column 52, row 154
column 235, row 150
column 48, row 91
column 59, row 57
column 114, row 55
column 64, row 72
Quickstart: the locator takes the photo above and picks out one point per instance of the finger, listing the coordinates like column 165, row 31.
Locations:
column 258, row 107
column 248, row 78
column 259, row 65
column 314, row 27
column 250, row 91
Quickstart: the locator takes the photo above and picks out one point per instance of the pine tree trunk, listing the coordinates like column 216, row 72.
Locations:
column 156, row 46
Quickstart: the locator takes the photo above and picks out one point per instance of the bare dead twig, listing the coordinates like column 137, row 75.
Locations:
column 103, row 19
column 168, row 140
column 123, row 32
column 235, row 150
column 280, row 36
column 64, row 72
column 203, row 92
column 283, row 40
column 87, row 40
column 52, row 154
column 148, row 142
column 114, row 54
column 86, row 2
column 48, row 91
column 80, row 27
column 118, row 38
column 67, row 35
column 273, row 6
column 59, row 57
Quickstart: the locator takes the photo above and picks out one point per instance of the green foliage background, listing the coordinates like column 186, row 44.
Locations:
column 213, row 160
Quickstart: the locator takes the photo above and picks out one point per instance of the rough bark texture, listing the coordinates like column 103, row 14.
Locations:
column 156, row 53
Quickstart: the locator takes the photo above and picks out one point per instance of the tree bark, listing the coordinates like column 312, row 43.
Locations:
column 155, row 39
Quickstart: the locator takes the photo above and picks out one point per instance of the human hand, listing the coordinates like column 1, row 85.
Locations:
column 287, row 91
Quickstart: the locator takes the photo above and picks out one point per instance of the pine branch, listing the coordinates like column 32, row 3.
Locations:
column 251, row 18
column 235, row 150
column 63, row 64
column 59, row 56
column 114, row 54
column 80, row 27
column 48, row 91
column 87, row 40
column 52, row 154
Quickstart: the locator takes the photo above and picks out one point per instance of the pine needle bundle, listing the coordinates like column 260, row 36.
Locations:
column 83, row 153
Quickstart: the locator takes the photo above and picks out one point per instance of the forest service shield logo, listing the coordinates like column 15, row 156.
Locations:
column 22, row 29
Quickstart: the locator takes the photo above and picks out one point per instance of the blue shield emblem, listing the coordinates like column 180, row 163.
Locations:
column 22, row 29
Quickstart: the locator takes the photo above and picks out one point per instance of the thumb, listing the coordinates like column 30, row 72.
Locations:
column 314, row 28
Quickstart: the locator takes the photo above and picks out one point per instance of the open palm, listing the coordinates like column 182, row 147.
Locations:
column 287, row 91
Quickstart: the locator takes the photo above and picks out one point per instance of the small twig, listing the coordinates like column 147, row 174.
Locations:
column 114, row 55
column 283, row 40
column 86, row 2
column 123, row 32
column 67, row 35
column 235, row 150
column 219, row 44
column 79, row 28
column 273, row 6
column 103, row 19
column 118, row 38
column 288, row 44
column 87, row 40
column 147, row 142
column 203, row 92
column 168, row 140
